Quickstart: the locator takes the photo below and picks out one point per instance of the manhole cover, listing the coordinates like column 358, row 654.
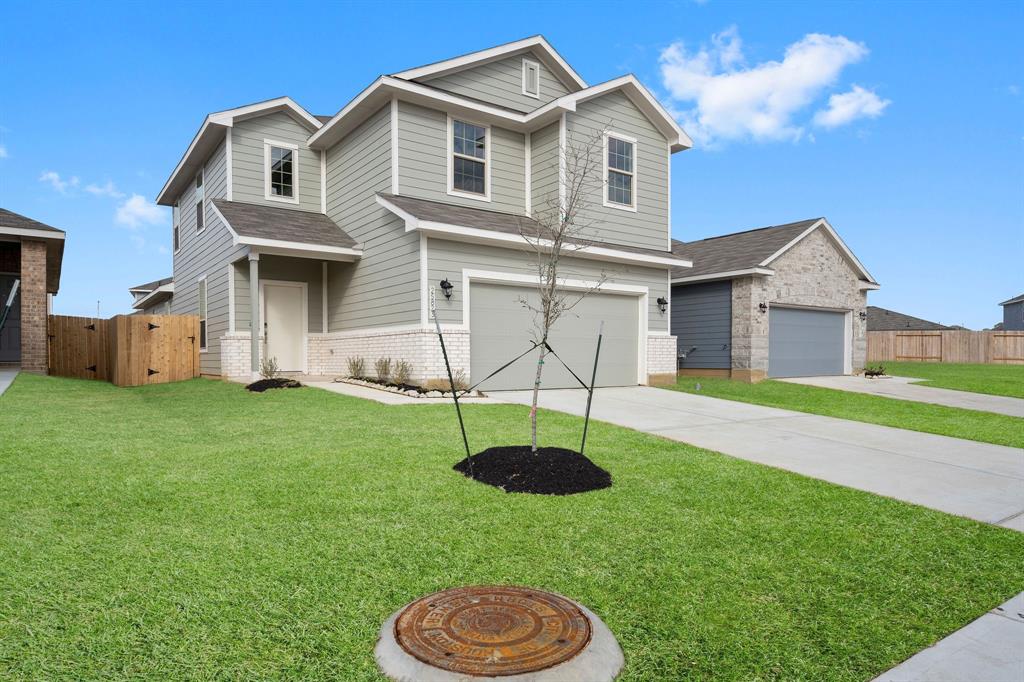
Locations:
column 492, row 631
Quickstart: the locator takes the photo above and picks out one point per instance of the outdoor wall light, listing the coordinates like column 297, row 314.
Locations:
column 662, row 303
column 447, row 287
column 763, row 307
column 862, row 315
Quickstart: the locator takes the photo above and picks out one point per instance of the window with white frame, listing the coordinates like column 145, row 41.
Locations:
column 620, row 171
column 202, row 314
column 531, row 78
column 468, row 162
column 176, row 223
column 200, row 202
column 281, row 171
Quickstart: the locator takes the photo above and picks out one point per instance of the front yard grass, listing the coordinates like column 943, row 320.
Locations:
column 1007, row 380
column 194, row 530
column 986, row 427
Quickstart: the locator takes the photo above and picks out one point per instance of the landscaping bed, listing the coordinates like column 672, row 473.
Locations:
column 163, row 530
column 549, row 471
column 271, row 383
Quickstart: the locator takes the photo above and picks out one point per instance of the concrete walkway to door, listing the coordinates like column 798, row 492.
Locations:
column 904, row 388
column 977, row 480
column 7, row 375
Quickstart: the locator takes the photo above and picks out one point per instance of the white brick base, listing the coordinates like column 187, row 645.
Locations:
column 661, row 355
column 235, row 355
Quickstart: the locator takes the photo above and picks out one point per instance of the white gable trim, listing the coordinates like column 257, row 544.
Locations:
column 858, row 266
column 728, row 274
column 559, row 66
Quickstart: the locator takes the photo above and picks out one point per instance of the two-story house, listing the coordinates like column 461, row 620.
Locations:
column 312, row 239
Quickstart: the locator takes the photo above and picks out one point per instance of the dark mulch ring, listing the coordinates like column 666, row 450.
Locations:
column 279, row 382
column 552, row 471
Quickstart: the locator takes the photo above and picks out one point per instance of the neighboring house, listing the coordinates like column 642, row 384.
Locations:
column 882, row 320
column 1013, row 314
column 153, row 298
column 777, row 301
column 330, row 236
column 31, row 254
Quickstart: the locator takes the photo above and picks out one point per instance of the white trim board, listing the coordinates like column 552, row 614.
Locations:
column 728, row 274
column 29, row 232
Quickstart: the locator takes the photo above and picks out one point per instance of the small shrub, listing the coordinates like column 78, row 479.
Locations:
column 356, row 367
column 874, row 370
column 442, row 383
column 268, row 368
column 383, row 368
column 460, row 380
column 402, row 373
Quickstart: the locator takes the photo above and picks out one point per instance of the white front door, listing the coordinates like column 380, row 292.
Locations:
column 284, row 313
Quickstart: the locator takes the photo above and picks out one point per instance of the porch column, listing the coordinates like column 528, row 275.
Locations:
column 254, row 312
column 33, row 307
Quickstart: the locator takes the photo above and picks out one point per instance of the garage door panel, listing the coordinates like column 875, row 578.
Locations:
column 804, row 342
column 501, row 328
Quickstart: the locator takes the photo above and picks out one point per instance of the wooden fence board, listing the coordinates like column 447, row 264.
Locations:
column 946, row 346
column 127, row 350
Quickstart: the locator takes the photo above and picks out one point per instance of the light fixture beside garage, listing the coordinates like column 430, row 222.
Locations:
column 447, row 287
column 662, row 303
column 763, row 307
column 863, row 315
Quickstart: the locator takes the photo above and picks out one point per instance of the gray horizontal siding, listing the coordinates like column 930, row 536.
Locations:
column 702, row 324
column 206, row 253
column 423, row 161
column 382, row 288
column 648, row 226
column 544, row 169
column 501, row 82
column 449, row 258
column 247, row 160
column 285, row 269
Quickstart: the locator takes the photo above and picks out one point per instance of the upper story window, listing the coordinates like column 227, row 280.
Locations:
column 176, row 222
column 469, row 160
column 200, row 202
column 281, row 171
column 620, row 171
column 531, row 78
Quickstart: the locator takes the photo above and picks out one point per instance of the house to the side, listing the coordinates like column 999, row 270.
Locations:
column 31, row 254
column 883, row 320
column 1013, row 313
column 153, row 298
column 312, row 239
column 781, row 301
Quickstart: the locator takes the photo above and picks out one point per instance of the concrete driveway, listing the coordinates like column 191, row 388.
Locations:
column 977, row 480
column 7, row 375
column 904, row 388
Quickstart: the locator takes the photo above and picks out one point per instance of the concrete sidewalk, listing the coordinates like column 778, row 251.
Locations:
column 977, row 480
column 7, row 375
column 904, row 388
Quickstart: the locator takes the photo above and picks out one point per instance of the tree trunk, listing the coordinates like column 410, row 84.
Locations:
column 536, row 395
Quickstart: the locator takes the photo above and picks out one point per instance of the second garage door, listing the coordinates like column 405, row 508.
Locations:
column 500, row 329
column 803, row 343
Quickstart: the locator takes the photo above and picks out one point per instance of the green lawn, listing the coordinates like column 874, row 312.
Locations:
column 1005, row 380
column 986, row 427
column 194, row 530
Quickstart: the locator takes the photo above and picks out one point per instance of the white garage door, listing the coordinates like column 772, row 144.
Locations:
column 804, row 343
column 500, row 329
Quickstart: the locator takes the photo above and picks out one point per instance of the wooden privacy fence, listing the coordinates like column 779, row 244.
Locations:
column 126, row 350
column 987, row 347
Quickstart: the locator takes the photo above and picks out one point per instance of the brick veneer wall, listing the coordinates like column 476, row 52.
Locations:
column 661, row 359
column 813, row 273
column 33, row 307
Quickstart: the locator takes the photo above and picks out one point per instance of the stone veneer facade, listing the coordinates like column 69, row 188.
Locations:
column 813, row 274
column 33, row 307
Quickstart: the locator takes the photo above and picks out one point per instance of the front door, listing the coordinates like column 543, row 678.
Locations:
column 284, row 313
column 10, row 335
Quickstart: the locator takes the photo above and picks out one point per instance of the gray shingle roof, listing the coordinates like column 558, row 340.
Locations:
column 736, row 251
column 493, row 221
column 150, row 286
column 882, row 320
column 12, row 219
column 283, row 224
column 1015, row 299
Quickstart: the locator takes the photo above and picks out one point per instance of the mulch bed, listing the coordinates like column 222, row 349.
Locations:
column 265, row 384
column 552, row 471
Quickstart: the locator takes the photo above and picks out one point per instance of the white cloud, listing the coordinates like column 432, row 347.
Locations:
column 105, row 190
column 849, row 106
column 3, row 152
column 1013, row 90
column 733, row 101
column 57, row 182
column 135, row 212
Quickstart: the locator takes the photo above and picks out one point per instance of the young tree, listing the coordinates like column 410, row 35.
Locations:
column 560, row 228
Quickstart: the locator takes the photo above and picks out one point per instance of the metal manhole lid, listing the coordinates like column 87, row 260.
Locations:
column 492, row 630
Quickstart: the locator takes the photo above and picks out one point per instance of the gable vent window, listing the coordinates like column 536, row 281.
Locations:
column 620, row 172
column 282, row 179
column 469, row 160
column 531, row 78
column 200, row 202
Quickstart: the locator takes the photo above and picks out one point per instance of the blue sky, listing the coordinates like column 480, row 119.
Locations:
column 902, row 123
